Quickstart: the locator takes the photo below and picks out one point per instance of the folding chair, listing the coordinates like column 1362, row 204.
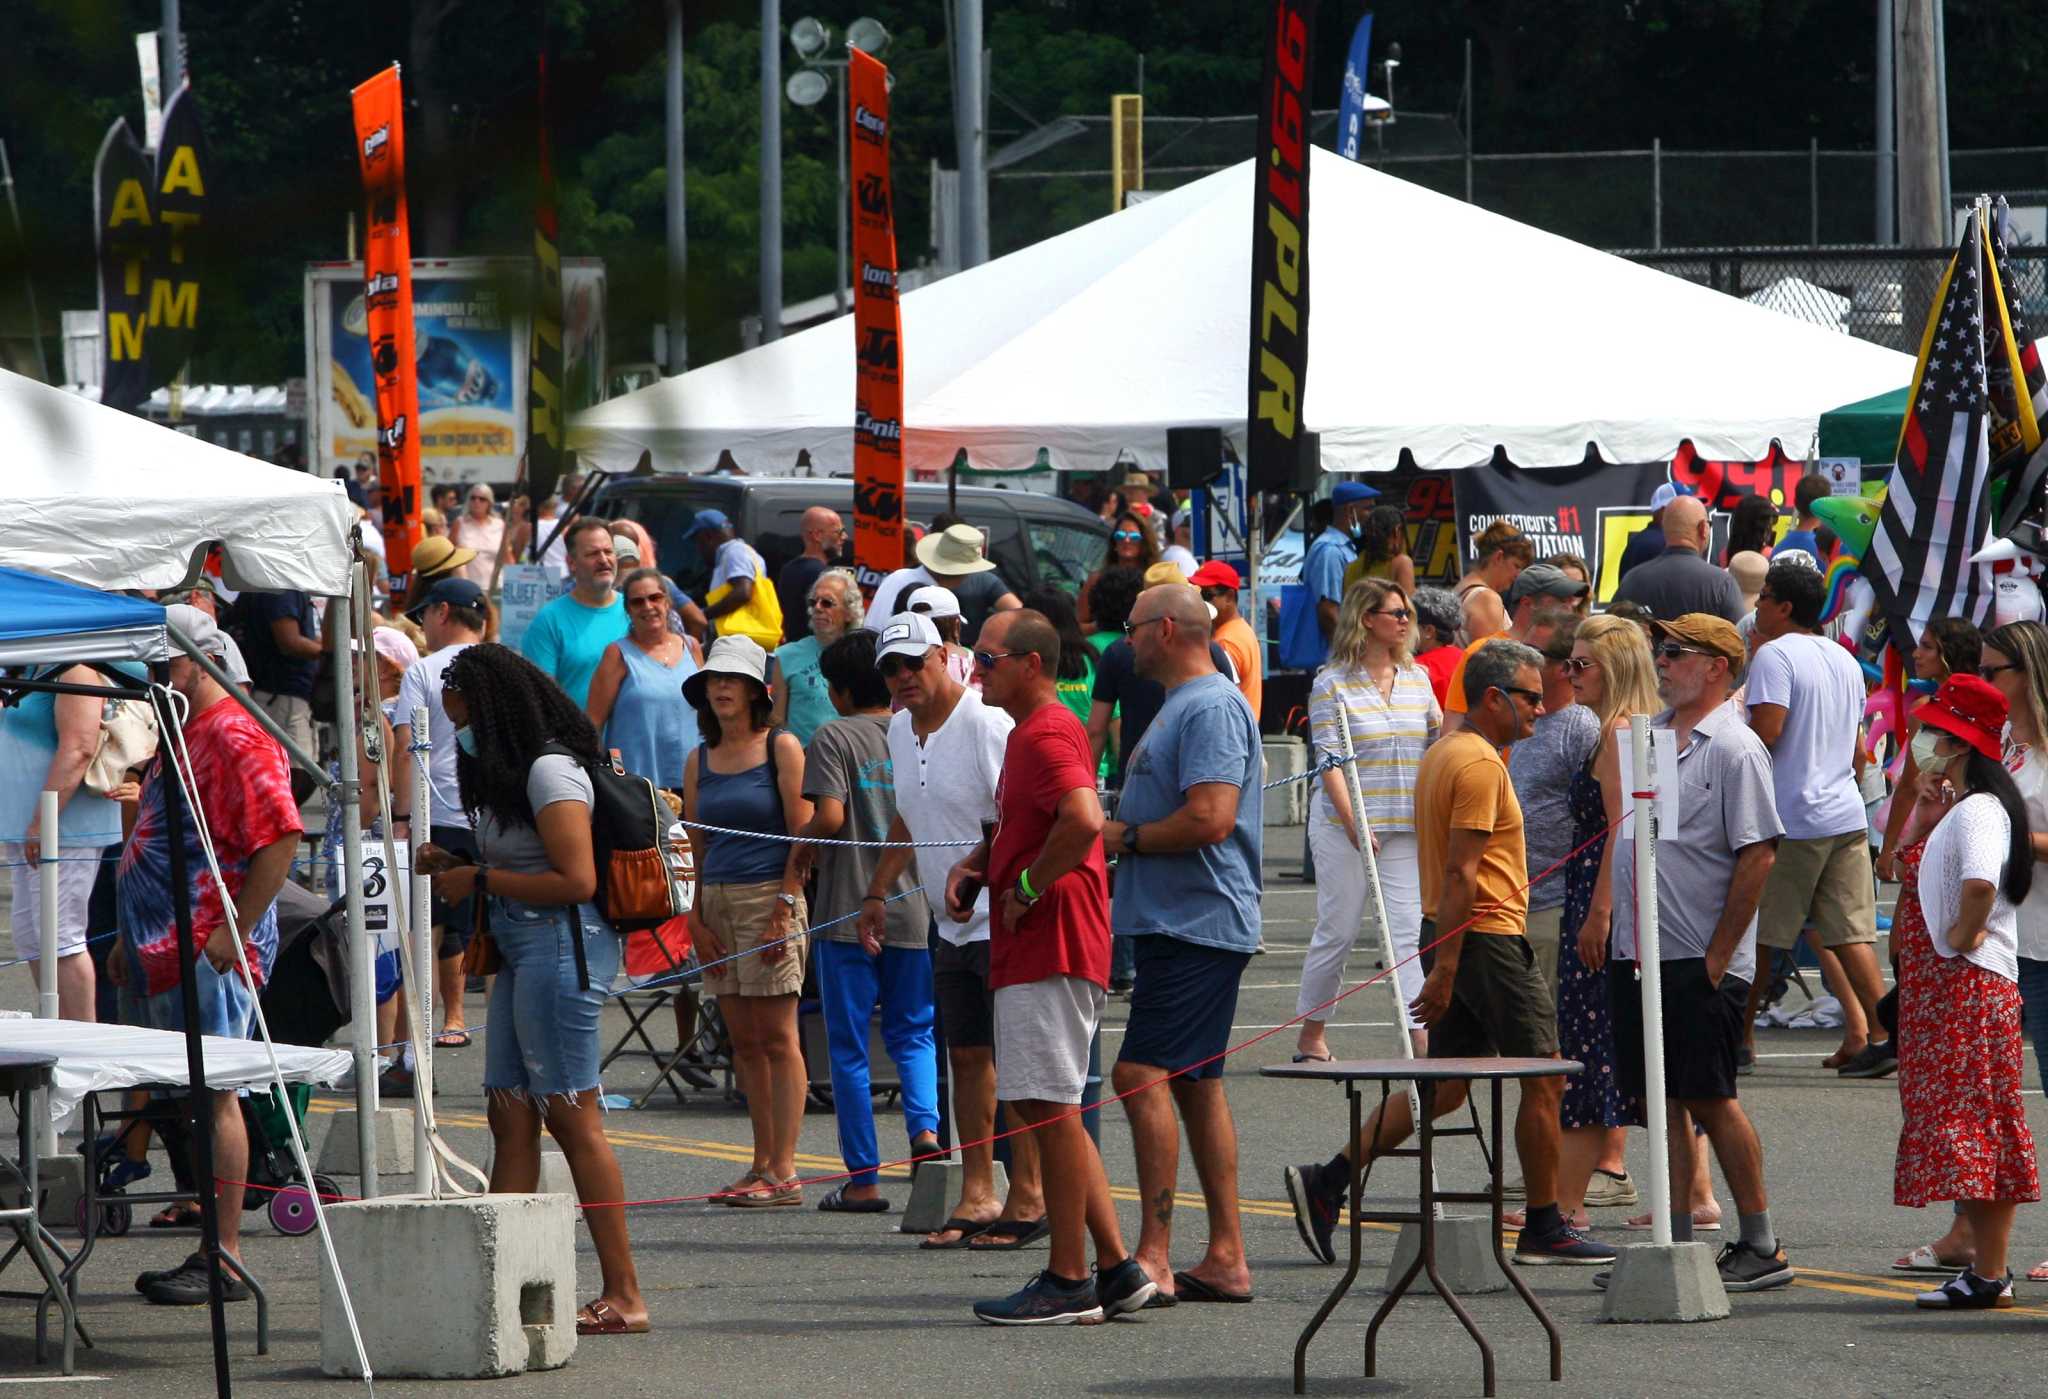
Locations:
column 668, row 987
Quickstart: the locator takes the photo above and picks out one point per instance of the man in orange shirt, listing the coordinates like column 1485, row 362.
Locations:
column 1484, row 995
column 1219, row 584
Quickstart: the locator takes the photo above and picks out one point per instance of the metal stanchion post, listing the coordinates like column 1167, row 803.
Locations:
column 423, row 1177
column 46, row 967
column 1648, row 962
column 345, row 800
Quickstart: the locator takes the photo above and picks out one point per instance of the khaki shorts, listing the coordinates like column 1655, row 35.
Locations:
column 737, row 915
column 1546, row 930
column 1826, row 881
column 293, row 714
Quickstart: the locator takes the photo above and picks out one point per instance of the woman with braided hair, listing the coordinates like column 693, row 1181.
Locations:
column 524, row 763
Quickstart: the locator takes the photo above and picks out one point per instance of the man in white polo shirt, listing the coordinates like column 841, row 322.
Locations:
column 946, row 748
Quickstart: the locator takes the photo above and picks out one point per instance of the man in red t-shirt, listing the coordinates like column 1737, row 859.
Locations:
column 1048, row 967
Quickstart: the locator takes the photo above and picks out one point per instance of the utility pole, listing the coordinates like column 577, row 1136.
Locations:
column 1948, row 203
column 771, row 170
column 1886, row 229
column 970, row 124
column 1922, row 221
column 678, row 241
column 28, row 280
column 174, row 51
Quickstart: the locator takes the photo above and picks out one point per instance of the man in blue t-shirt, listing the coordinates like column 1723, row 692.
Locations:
column 1332, row 551
column 1812, row 489
column 568, row 636
column 1187, row 841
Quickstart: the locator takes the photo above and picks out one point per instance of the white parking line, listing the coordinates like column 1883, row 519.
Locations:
column 1289, row 1024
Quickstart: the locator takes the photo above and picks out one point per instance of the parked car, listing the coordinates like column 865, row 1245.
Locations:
column 1034, row 539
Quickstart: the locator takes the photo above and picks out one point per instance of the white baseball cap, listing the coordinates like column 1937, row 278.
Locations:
column 908, row 634
column 933, row 601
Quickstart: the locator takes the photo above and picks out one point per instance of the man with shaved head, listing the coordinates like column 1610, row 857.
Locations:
column 1680, row 581
column 1187, row 840
column 824, row 536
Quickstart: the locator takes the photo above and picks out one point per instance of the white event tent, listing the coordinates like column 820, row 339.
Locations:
column 1436, row 328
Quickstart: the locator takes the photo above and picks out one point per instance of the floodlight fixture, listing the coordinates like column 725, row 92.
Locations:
column 869, row 36
column 809, row 37
column 807, row 87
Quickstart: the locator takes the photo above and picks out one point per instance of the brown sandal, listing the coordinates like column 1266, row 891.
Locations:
column 745, row 1183
column 601, row 1318
column 767, row 1194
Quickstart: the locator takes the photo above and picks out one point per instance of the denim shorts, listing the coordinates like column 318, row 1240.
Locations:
column 540, row 1038
column 227, row 1007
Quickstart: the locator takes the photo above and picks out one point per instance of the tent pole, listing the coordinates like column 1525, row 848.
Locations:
column 200, row 1097
column 298, row 755
column 345, row 802
column 46, row 969
column 423, row 951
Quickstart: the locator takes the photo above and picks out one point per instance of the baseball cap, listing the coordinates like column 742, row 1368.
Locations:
column 1215, row 574
column 1544, row 580
column 1706, row 632
column 1183, row 515
column 908, row 634
column 1666, row 493
column 626, row 547
column 203, row 632
column 706, row 520
column 933, row 601
column 458, row 592
column 1351, row 492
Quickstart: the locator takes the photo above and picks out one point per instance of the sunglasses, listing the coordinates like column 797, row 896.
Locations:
column 647, row 600
column 818, row 602
column 1577, row 665
column 1399, row 614
column 1992, row 672
column 893, row 666
column 1671, row 651
column 1123, row 534
column 987, row 659
column 1131, row 628
column 1533, row 696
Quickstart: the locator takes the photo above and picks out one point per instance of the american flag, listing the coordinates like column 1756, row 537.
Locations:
column 1937, row 507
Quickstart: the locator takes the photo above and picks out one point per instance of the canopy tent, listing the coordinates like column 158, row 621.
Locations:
column 1801, row 299
column 111, row 500
column 44, row 621
column 1868, row 429
column 1438, row 329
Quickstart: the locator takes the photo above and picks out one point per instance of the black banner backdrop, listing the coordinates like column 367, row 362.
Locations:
column 182, row 171
column 1278, row 369
column 125, row 235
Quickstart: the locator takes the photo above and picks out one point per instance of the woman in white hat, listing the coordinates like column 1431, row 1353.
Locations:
column 747, row 775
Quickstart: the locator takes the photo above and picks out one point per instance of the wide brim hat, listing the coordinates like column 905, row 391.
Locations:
column 729, row 655
column 1969, row 708
column 953, row 551
column 436, row 555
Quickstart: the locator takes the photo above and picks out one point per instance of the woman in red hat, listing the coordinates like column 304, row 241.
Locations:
column 1965, row 1134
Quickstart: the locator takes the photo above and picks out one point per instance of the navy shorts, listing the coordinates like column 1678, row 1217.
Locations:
column 1182, row 1005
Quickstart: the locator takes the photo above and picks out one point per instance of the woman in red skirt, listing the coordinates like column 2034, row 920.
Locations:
column 1965, row 1135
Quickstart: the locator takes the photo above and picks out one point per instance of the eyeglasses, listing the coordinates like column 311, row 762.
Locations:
column 1131, row 628
column 647, row 600
column 1671, row 651
column 1124, row 534
column 893, row 666
column 1399, row 614
column 1991, row 672
column 1578, row 665
column 987, row 659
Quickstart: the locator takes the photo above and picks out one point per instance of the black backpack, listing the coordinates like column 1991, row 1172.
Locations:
column 639, row 868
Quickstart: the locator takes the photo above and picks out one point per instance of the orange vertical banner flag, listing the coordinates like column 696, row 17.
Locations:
column 877, row 328
column 387, row 294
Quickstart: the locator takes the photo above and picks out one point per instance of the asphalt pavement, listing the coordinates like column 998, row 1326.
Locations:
column 795, row 1302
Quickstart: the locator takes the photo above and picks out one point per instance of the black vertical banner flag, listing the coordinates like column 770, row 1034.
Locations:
column 544, row 405
column 1279, row 331
column 182, row 174
column 125, row 236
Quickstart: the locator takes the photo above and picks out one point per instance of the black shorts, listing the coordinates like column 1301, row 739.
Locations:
column 960, row 989
column 1182, row 1005
column 1500, row 1003
column 1702, row 1029
column 454, row 919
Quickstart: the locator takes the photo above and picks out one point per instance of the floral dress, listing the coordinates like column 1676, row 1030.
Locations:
column 1585, row 1027
column 1965, row 1134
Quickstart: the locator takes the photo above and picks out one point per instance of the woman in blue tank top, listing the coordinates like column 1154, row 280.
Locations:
column 636, row 697
column 749, row 776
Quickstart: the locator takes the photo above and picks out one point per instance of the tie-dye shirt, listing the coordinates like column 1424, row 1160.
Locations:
column 245, row 789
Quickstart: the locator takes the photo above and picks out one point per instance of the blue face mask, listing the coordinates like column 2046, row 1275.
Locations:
column 465, row 739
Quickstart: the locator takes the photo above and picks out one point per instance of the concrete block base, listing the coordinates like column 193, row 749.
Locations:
column 1675, row 1283
column 1286, row 757
column 60, row 1180
column 339, row 1153
column 469, row 1288
column 934, row 1186
column 554, row 1174
column 1464, row 1255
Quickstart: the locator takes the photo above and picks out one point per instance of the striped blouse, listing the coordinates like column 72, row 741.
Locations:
column 1388, row 734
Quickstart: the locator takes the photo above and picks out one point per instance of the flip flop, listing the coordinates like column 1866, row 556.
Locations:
column 1159, row 1301
column 179, row 1216
column 452, row 1039
column 601, row 1318
column 1313, row 1059
column 837, row 1203
column 1189, row 1288
column 1925, row 1260
column 1013, row 1233
column 967, row 1229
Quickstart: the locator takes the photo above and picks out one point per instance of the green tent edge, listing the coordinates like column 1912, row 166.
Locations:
column 1867, row 429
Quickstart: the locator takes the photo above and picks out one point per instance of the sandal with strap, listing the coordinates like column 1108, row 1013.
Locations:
column 1925, row 1260
column 767, row 1194
column 601, row 1318
column 739, row 1187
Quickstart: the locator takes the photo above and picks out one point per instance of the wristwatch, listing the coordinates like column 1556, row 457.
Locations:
column 1131, row 838
column 786, row 900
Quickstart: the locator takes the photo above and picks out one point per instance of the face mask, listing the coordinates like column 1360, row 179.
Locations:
column 465, row 739
column 1925, row 756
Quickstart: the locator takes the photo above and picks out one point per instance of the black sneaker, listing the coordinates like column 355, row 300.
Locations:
column 1872, row 1061
column 1045, row 1301
column 1744, row 1269
column 1315, row 1211
column 1124, row 1288
column 1121, row 985
column 1966, row 1292
column 187, row 1286
column 1566, row 1246
column 155, row 1275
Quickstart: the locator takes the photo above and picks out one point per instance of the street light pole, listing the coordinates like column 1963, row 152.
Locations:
column 771, row 170
column 970, row 128
column 678, row 239
column 174, row 51
column 839, row 282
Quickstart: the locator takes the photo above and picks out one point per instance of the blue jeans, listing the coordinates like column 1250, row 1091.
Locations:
column 540, row 1040
column 1123, row 959
column 849, row 983
column 2034, row 1010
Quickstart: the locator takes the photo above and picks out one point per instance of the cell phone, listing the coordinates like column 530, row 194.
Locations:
column 970, row 889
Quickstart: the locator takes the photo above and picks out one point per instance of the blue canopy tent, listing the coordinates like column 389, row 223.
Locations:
column 45, row 621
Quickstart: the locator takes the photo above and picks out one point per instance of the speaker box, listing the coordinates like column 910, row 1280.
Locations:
column 1307, row 473
column 1194, row 457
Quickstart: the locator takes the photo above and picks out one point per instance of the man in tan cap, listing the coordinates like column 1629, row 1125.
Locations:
column 954, row 556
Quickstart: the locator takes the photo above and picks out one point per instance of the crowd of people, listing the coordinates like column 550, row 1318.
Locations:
column 980, row 813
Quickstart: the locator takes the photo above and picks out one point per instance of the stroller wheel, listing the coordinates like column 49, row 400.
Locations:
column 79, row 1218
column 115, row 1218
column 291, row 1210
column 327, row 1190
